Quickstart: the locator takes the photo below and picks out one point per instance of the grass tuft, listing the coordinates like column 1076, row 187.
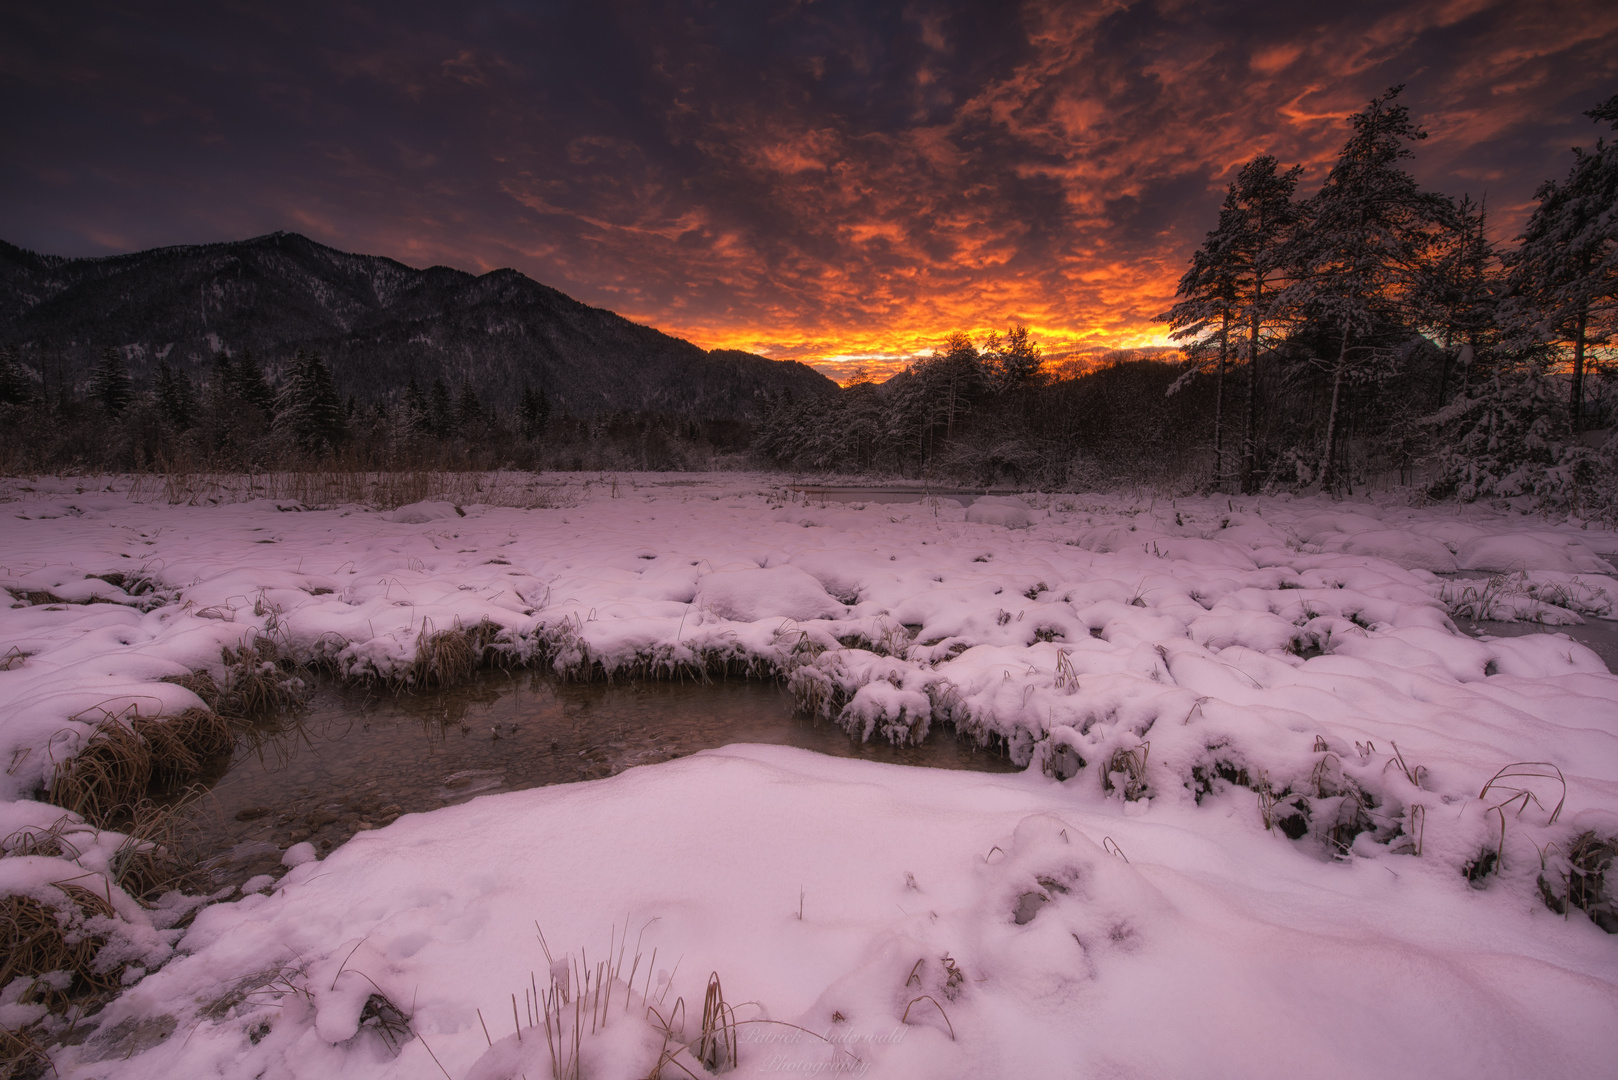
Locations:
column 126, row 760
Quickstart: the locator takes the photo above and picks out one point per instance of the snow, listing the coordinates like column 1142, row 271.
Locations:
column 1005, row 510
column 1172, row 673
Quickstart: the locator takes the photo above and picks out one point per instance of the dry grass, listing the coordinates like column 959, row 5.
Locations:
column 387, row 490
column 259, row 681
column 38, row 938
column 717, row 1042
column 450, row 657
column 146, row 863
column 21, row 1054
column 1583, row 879
column 1130, row 765
column 125, row 760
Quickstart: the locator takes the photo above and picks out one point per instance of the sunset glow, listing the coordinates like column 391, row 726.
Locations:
column 830, row 183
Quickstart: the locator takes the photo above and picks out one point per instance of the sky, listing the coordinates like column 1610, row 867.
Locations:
column 842, row 182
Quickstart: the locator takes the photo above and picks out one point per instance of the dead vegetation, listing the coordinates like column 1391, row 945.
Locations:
column 128, row 758
column 342, row 486
column 1579, row 878
column 260, row 680
column 450, row 657
column 53, row 944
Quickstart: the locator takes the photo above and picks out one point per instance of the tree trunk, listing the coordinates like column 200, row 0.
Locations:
column 1576, row 394
column 1219, row 404
column 1249, row 451
column 1328, row 459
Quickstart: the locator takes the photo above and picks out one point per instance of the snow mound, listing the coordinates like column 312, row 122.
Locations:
column 780, row 592
column 423, row 512
column 1005, row 510
column 1508, row 554
column 1406, row 549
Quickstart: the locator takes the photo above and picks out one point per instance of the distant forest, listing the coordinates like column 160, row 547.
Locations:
column 1369, row 335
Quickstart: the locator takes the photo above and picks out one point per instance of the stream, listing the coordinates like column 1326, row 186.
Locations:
column 356, row 758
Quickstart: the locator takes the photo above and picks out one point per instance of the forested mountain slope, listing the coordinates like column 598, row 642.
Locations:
column 377, row 322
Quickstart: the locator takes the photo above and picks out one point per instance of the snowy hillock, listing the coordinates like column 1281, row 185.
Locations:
column 1264, row 705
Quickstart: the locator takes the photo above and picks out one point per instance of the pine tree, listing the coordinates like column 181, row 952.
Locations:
column 469, row 416
column 533, row 410
column 1369, row 232
column 954, row 378
column 110, row 384
column 1204, row 316
column 1564, row 274
column 176, row 398
column 254, row 387
column 1457, row 295
column 1231, row 295
column 308, row 406
column 16, row 383
column 442, row 414
column 414, row 418
column 1013, row 362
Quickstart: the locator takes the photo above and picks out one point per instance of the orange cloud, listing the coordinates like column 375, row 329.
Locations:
column 842, row 183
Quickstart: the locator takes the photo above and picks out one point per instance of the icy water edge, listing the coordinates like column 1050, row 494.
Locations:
column 356, row 758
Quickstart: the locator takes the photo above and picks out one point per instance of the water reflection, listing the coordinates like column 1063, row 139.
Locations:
column 357, row 758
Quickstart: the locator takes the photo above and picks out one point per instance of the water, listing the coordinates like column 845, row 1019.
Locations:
column 823, row 494
column 357, row 758
column 1599, row 635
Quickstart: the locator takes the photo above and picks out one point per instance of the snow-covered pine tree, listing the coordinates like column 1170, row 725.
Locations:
column 1370, row 231
column 110, row 384
column 1564, row 273
column 308, row 407
column 1204, row 316
column 1232, row 299
column 1012, row 362
column 1456, row 297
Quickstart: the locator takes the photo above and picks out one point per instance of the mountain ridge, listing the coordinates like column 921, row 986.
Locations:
column 378, row 323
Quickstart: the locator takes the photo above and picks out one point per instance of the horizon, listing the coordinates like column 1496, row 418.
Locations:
column 839, row 185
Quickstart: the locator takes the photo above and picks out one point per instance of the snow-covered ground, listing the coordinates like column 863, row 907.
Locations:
column 1261, row 759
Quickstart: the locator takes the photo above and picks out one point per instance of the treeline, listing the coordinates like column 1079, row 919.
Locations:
column 240, row 416
column 995, row 414
column 1376, row 324
column 1370, row 334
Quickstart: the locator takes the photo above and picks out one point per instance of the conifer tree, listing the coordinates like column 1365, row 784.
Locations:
column 176, row 398
column 1369, row 233
column 1232, row 298
column 533, row 410
column 110, row 384
column 1204, row 317
column 469, row 416
column 1564, row 274
column 414, row 419
column 308, row 406
column 442, row 414
column 1013, row 362
column 16, row 384
column 1457, row 295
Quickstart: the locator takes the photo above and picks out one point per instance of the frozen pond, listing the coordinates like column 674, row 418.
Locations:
column 357, row 758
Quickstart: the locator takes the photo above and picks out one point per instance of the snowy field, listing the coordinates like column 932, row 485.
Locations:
column 1280, row 817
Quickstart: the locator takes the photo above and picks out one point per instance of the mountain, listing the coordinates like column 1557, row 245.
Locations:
column 376, row 321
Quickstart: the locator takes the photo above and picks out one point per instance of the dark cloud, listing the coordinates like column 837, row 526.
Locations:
column 806, row 179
